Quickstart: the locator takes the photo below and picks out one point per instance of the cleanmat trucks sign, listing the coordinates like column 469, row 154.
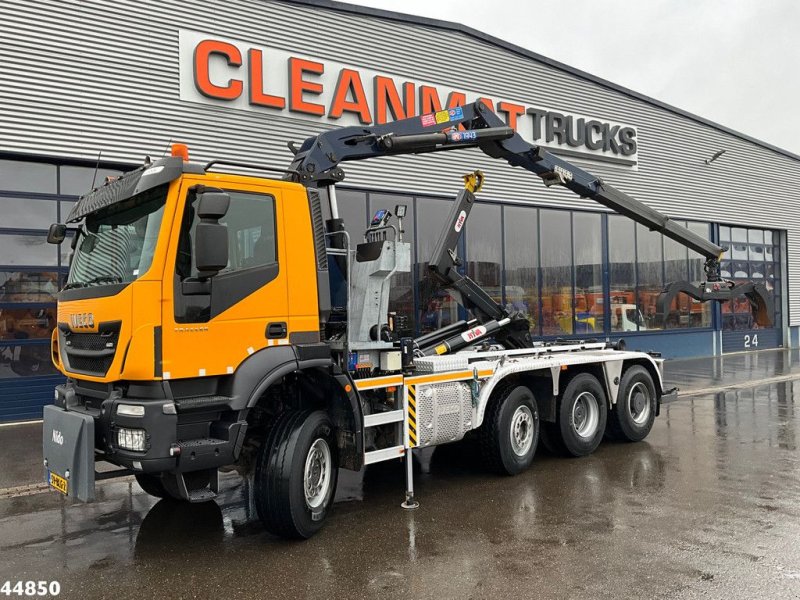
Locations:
column 244, row 76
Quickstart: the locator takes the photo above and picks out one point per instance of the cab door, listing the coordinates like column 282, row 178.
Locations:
column 210, row 328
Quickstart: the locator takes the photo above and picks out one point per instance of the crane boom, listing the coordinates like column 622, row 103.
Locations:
column 316, row 163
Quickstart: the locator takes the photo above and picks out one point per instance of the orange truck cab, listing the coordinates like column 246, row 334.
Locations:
column 191, row 293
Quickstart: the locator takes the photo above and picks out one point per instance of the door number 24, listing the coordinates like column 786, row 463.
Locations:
column 751, row 341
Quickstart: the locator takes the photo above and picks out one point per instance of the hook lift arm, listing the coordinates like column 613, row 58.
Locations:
column 316, row 163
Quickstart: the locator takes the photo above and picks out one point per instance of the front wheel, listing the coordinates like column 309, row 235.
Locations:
column 296, row 474
column 510, row 431
column 152, row 485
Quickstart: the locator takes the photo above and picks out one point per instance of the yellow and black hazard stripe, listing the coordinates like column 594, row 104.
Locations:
column 412, row 416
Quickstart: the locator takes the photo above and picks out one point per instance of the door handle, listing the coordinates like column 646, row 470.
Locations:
column 276, row 330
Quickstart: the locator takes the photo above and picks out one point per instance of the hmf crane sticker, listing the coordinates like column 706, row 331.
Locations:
column 242, row 75
column 462, row 216
column 474, row 333
column 462, row 136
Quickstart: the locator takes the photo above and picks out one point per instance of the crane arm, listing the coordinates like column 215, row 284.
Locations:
column 316, row 163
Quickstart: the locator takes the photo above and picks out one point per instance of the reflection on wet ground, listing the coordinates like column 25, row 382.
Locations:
column 708, row 506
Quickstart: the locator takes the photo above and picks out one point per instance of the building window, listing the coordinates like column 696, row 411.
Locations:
column 521, row 249
column 30, row 177
column 588, row 252
column 556, row 264
column 436, row 307
column 485, row 249
column 623, row 312
column 752, row 255
column 649, row 275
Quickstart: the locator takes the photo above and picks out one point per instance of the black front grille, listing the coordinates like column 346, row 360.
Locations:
column 92, row 341
column 89, row 365
column 90, row 353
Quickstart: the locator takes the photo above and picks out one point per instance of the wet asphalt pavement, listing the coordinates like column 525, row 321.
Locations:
column 707, row 507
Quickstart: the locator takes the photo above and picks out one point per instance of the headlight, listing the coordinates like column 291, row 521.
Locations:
column 131, row 439
column 130, row 410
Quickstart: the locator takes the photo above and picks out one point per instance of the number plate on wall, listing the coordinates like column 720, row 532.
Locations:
column 749, row 339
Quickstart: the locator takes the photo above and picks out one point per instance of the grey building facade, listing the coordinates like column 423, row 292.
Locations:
column 239, row 79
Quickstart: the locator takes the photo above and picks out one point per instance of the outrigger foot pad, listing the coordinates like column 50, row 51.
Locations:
column 410, row 503
column 761, row 301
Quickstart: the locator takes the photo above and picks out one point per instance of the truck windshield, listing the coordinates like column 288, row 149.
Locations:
column 116, row 244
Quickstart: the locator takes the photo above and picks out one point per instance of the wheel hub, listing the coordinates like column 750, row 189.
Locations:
column 522, row 430
column 639, row 403
column 317, row 474
column 586, row 415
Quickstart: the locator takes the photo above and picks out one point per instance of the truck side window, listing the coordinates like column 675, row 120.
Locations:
column 251, row 234
column 252, row 256
column 251, row 230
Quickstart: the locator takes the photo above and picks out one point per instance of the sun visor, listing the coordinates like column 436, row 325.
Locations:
column 129, row 184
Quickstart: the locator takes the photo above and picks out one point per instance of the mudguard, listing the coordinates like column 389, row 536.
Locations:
column 761, row 301
column 68, row 450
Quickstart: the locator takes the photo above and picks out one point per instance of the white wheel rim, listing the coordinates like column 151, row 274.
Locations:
column 522, row 428
column 317, row 474
column 585, row 415
column 639, row 403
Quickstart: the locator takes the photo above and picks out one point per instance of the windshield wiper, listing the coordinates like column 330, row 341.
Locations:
column 99, row 279
column 104, row 279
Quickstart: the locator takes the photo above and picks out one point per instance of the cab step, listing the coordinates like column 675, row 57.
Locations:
column 199, row 494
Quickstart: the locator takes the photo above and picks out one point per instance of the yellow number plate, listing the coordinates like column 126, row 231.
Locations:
column 59, row 483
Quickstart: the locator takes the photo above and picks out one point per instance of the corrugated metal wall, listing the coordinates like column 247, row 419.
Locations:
column 79, row 76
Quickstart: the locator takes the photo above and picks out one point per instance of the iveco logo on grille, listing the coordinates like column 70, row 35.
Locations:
column 82, row 320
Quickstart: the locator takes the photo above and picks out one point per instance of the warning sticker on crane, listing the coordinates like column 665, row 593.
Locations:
column 442, row 116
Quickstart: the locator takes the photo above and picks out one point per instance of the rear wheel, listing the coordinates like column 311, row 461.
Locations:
column 581, row 419
column 510, row 431
column 634, row 413
column 296, row 473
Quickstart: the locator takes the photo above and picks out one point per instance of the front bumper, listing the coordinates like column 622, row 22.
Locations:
column 78, row 431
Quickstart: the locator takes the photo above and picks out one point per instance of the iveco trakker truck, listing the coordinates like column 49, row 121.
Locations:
column 214, row 320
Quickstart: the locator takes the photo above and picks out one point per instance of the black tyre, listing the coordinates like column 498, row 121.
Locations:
column 296, row 473
column 550, row 438
column 634, row 413
column 510, row 430
column 152, row 485
column 582, row 413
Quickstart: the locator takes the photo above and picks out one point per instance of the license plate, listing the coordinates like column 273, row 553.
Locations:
column 59, row 483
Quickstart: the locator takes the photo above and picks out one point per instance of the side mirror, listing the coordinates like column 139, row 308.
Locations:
column 56, row 233
column 211, row 237
column 212, row 204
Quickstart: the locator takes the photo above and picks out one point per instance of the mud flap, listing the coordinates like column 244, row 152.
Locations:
column 68, row 450
column 761, row 301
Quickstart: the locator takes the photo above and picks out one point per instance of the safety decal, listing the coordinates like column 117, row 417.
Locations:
column 442, row 116
column 412, row 416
